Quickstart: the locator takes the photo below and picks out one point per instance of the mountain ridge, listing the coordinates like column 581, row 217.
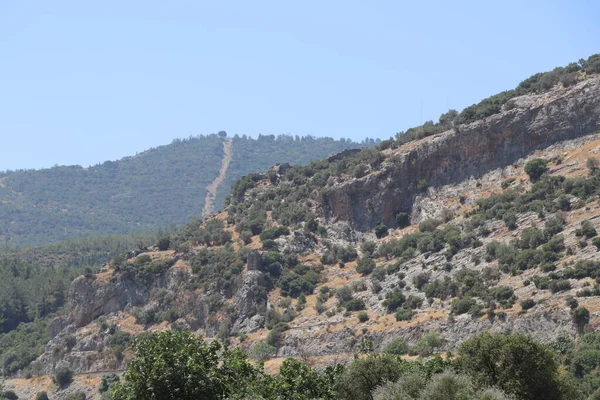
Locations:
column 157, row 188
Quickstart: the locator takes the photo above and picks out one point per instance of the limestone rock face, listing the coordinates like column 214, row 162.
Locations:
column 534, row 122
column 90, row 298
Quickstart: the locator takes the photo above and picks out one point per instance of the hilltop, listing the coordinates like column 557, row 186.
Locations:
column 487, row 220
column 158, row 188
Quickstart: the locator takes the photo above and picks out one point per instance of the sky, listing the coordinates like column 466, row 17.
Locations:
column 83, row 82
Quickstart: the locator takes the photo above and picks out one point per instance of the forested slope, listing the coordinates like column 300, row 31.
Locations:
column 159, row 187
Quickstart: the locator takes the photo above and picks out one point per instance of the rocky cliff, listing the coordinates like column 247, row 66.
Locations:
column 527, row 123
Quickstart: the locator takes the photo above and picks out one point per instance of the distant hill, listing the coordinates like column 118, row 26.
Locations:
column 162, row 186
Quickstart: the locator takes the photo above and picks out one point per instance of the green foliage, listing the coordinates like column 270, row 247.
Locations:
column 587, row 230
column 163, row 243
column 355, row 305
column 8, row 395
column 514, row 363
column 536, row 168
column 429, row 343
column 23, row 345
column 217, row 269
column 107, row 382
column 365, row 265
column 159, row 187
column 397, row 347
column 362, row 316
column 381, row 230
column 41, row 396
column 178, row 365
column 79, row 395
column 262, row 351
column 581, row 316
column 274, row 233
column 63, row 376
column 363, row 375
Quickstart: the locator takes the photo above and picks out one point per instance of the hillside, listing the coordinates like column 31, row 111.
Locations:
column 157, row 188
column 468, row 225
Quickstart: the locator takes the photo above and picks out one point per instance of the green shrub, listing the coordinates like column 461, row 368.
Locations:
column 63, row 376
column 79, row 395
column 107, row 382
column 559, row 286
column 429, row 225
column 362, row 316
column 581, row 317
column 381, row 230
column 262, row 351
column 365, row 266
column 163, row 243
column 587, row 230
column 8, row 395
column 536, row 168
column 41, row 396
column 397, row 347
column 355, row 305
column 274, row 233
column 429, row 344
column 527, row 304
column 394, row 300
column 404, row 314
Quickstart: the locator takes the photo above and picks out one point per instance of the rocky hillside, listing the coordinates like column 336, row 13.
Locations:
column 490, row 225
column 155, row 189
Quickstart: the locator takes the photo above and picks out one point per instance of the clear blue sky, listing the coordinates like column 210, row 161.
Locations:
column 82, row 82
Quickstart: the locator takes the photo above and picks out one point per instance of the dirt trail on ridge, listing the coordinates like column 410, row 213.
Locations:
column 209, row 201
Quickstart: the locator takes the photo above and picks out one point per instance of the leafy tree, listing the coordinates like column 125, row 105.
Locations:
column 365, row 265
column 514, row 363
column 63, row 376
column 581, row 317
column 397, row 347
column 363, row 375
column 178, row 365
column 536, row 168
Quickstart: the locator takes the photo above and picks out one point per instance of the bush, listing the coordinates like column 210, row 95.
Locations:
column 527, row 304
column 429, row 225
column 587, row 230
column 79, row 395
column 559, row 286
column 262, row 351
column 274, row 337
column 429, row 344
column 581, row 317
column 365, row 374
column 9, row 395
column 274, row 233
column 381, row 231
column 365, row 266
column 163, row 243
column 362, row 316
column 397, row 347
column 41, row 396
column 107, row 382
column 404, row 314
column 462, row 306
column 394, row 300
column 536, row 168
column 514, row 363
column 355, row 305
column 63, row 376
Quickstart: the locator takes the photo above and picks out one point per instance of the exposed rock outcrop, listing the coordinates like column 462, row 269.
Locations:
column 533, row 122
